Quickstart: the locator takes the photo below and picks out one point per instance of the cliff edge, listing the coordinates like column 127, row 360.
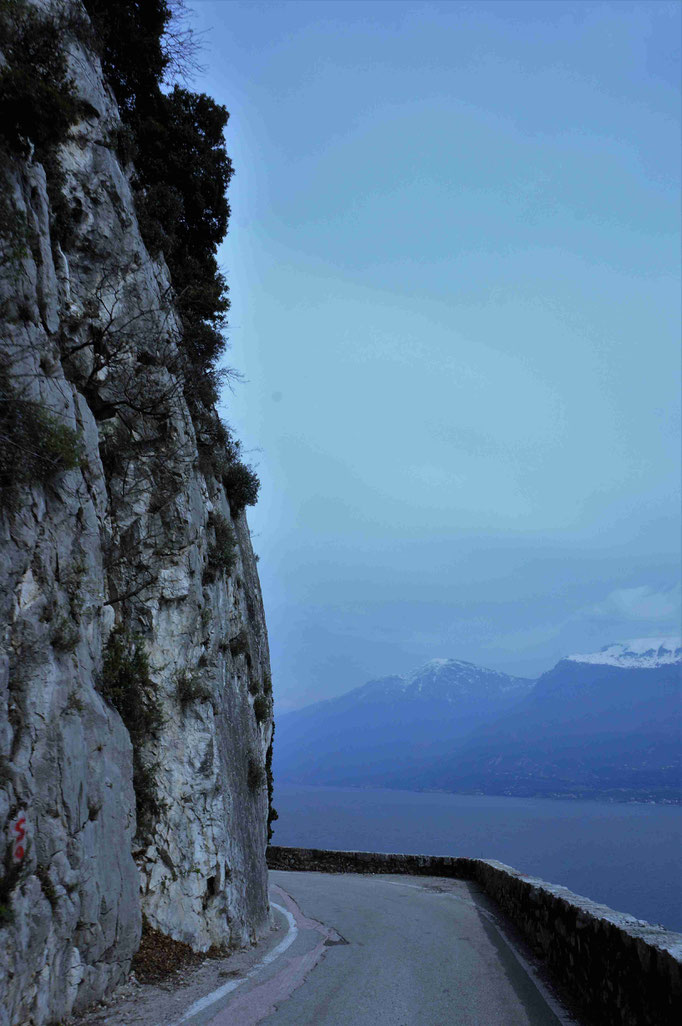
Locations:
column 135, row 696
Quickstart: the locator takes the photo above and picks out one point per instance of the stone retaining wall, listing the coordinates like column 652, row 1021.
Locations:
column 619, row 970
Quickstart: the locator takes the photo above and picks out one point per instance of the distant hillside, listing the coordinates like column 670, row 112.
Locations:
column 601, row 724
column 393, row 728
column 606, row 723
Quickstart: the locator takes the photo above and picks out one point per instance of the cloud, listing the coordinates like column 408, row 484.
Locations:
column 642, row 603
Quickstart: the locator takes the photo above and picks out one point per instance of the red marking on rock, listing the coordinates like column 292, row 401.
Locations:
column 18, row 831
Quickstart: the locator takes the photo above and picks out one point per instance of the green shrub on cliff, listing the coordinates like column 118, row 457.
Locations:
column 182, row 169
column 190, row 688
column 182, row 173
column 175, row 138
column 241, row 486
column 126, row 684
column 38, row 104
column 261, row 708
column 129, row 41
column 222, row 555
column 255, row 774
column 272, row 811
column 34, row 444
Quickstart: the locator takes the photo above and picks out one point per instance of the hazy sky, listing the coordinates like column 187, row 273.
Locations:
column 454, row 264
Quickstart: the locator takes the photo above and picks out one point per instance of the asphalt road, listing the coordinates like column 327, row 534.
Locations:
column 386, row 951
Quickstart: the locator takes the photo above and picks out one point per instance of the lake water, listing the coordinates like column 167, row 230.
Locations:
column 625, row 856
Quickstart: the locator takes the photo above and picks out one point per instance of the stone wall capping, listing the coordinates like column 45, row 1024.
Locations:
column 619, row 970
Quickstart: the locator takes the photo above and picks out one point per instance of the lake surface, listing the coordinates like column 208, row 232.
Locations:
column 625, row 856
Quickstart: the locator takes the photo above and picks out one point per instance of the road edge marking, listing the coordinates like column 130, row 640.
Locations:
column 215, row 995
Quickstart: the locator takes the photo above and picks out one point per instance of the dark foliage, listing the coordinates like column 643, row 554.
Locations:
column 272, row 811
column 222, row 554
column 241, row 485
column 239, row 644
column 34, row 445
column 9, row 880
column 255, row 774
column 182, row 169
column 37, row 101
column 38, row 104
column 48, row 888
column 220, row 454
column 129, row 35
column 190, row 688
column 14, row 231
column 125, row 683
column 216, row 446
column 261, row 708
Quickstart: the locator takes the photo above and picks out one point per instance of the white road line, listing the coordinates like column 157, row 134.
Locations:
column 221, row 992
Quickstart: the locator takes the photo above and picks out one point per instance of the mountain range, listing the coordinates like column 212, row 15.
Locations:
column 601, row 724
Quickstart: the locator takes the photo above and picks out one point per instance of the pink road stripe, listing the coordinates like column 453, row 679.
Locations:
column 250, row 1009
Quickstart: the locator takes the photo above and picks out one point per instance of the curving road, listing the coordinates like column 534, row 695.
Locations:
column 384, row 951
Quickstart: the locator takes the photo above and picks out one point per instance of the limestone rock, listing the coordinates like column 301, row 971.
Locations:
column 122, row 540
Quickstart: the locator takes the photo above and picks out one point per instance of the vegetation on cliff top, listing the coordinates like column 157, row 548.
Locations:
column 180, row 167
column 38, row 104
column 181, row 175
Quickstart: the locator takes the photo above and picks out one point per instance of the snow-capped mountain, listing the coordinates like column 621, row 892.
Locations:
column 600, row 724
column 392, row 725
column 604, row 723
column 642, row 653
column 447, row 680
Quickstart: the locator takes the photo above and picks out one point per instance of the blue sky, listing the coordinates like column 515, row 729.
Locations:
column 454, row 266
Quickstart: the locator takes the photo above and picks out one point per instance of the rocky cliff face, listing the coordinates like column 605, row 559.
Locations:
column 135, row 706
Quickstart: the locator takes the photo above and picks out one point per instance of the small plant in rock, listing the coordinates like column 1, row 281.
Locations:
column 241, row 486
column 222, row 554
column 14, row 235
column 239, row 644
column 261, row 708
column 254, row 686
column 74, row 703
column 9, row 880
column 190, row 688
column 126, row 684
column 34, row 445
column 48, row 888
column 65, row 634
column 255, row 774
column 147, row 803
column 61, row 445
column 272, row 811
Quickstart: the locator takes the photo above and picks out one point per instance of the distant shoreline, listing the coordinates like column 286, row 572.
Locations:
column 627, row 798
